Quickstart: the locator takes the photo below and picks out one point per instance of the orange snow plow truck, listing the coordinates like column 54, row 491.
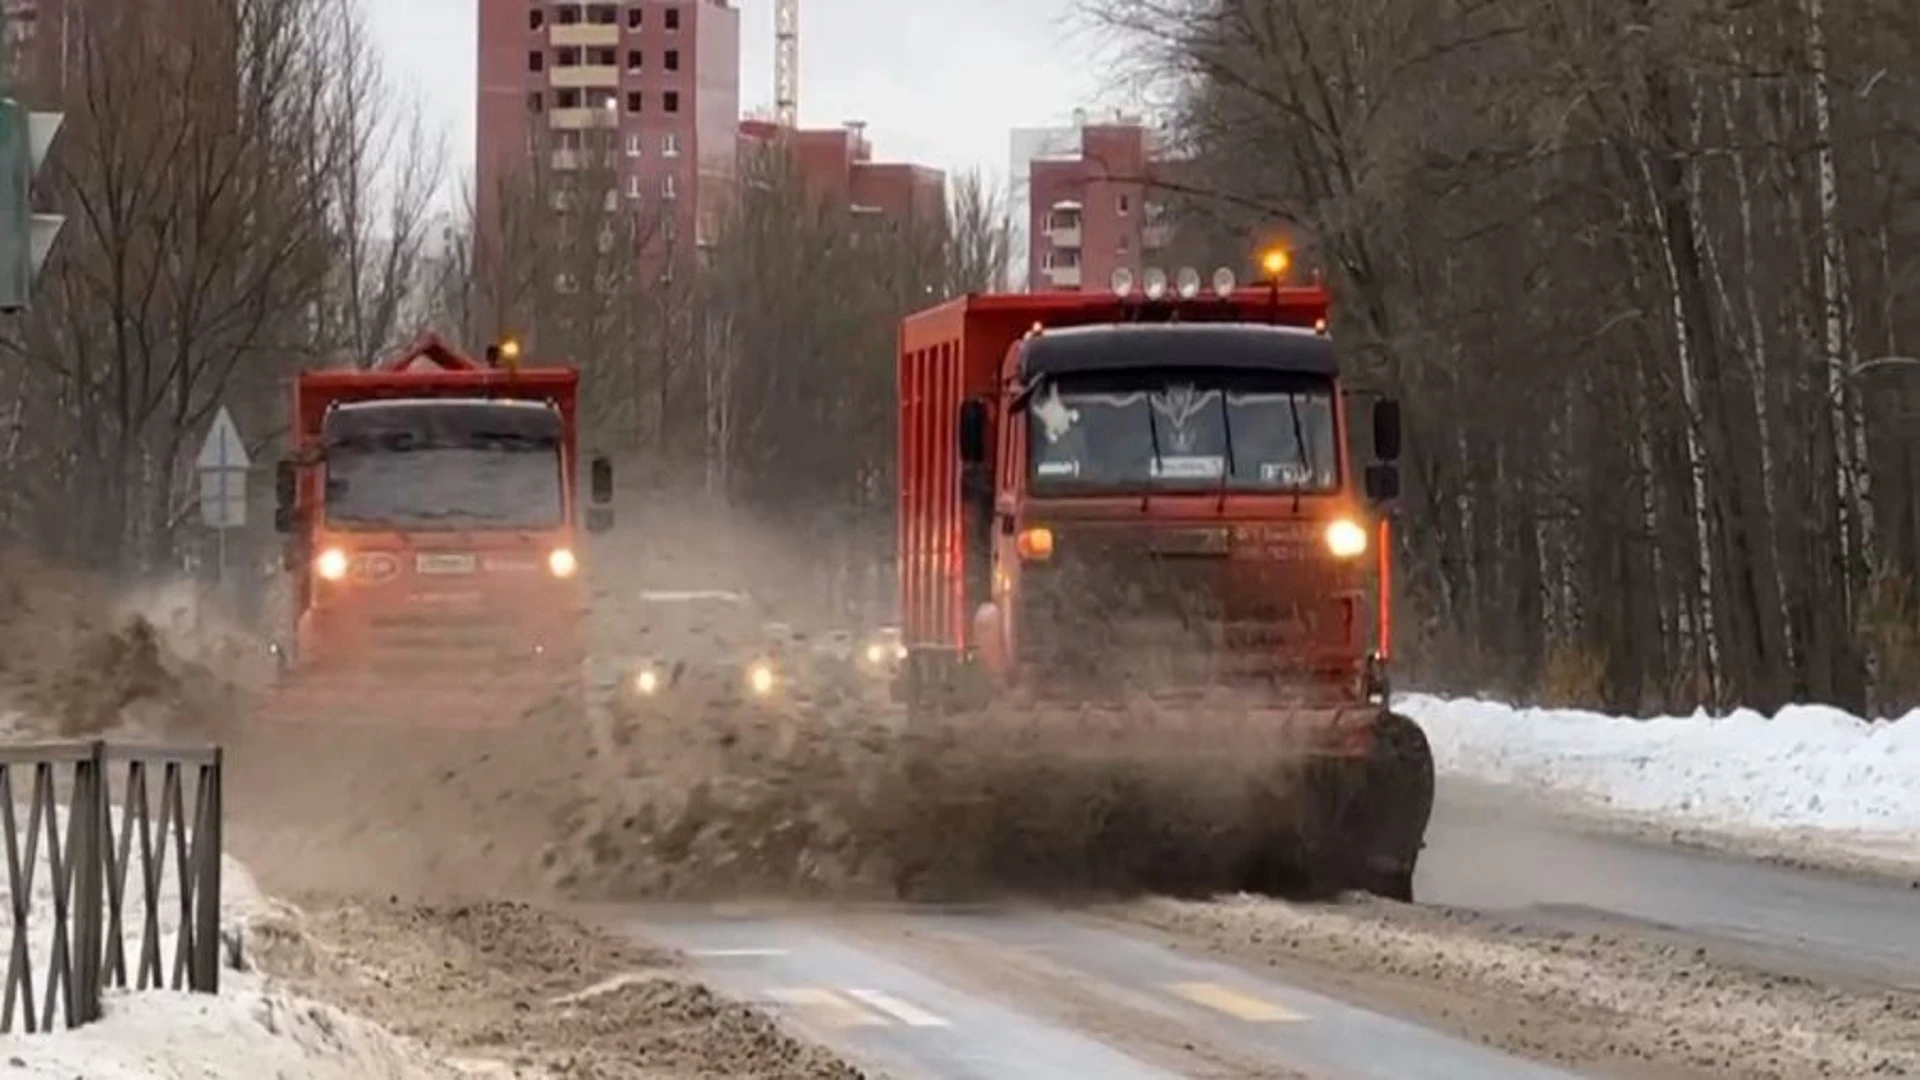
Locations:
column 1129, row 525
column 429, row 508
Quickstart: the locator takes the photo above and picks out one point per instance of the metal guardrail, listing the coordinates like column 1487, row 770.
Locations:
column 88, row 860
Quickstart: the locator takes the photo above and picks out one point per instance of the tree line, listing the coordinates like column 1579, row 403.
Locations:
column 1643, row 275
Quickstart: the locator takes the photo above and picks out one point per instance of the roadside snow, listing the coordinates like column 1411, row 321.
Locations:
column 1809, row 769
column 247, row 1031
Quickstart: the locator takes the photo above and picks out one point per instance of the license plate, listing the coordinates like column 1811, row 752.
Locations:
column 444, row 564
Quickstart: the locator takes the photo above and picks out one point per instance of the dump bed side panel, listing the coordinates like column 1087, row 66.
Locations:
column 931, row 386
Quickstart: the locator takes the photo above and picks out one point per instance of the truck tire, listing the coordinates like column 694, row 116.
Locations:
column 1387, row 822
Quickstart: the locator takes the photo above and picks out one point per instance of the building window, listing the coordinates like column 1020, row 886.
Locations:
column 534, row 104
column 603, row 15
column 633, row 186
column 670, row 145
column 567, row 99
column 670, row 101
column 1126, row 205
column 536, row 18
column 633, row 101
column 633, row 146
column 568, row 14
column 536, row 61
column 633, row 17
column 566, row 56
column 673, row 59
column 603, row 57
column 673, row 18
column 668, row 190
column 635, row 60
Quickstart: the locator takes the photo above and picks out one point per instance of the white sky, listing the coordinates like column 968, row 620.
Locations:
column 939, row 82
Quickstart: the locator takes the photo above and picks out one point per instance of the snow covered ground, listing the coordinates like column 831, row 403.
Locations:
column 247, row 1031
column 1815, row 775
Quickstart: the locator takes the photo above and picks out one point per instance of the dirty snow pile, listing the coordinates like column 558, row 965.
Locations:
column 1808, row 770
column 245, row 1032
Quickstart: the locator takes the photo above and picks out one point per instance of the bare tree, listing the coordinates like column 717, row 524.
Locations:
column 193, row 178
column 378, row 203
column 979, row 237
column 225, row 174
column 1623, row 263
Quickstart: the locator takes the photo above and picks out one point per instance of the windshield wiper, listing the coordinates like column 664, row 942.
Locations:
column 1153, row 436
column 1226, row 434
column 1300, row 442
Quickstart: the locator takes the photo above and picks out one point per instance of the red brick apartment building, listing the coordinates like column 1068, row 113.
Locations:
column 837, row 163
column 1093, row 209
column 651, row 85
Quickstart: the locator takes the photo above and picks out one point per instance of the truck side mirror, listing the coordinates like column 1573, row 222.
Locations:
column 600, row 480
column 285, row 490
column 1383, row 482
column 973, row 432
column 1386, row 429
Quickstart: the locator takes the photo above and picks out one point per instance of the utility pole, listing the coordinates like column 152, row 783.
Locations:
column 26, row 238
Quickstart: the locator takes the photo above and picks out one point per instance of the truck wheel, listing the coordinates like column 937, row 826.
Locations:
column 1394, row 807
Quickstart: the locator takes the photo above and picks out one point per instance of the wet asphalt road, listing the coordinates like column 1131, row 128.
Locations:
column 1011, row 993
column 1504, row 859
column 1024, row 994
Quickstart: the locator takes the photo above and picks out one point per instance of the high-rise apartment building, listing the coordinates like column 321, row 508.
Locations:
column 645, row 93
column 1091, row 205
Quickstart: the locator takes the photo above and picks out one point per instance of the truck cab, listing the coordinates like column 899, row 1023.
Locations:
column 1155, row 496
column 430, row 508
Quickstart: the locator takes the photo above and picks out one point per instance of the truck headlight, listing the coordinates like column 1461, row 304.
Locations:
column 562, row 563
column 332, row 564
column 1346, row 539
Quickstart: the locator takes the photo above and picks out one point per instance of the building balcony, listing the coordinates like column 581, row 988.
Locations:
column 1064, row 276
column 584, row 76
column 584, row 35
column 1064, row 235
column 568, row 160
column 581, row 119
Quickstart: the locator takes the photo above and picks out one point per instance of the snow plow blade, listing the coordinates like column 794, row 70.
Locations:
column 1187, row 799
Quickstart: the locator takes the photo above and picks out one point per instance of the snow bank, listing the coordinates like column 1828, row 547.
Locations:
column 247, row 1031
column 1809, row 768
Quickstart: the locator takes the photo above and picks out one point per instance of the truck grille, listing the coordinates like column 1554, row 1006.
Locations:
column 1117, row 612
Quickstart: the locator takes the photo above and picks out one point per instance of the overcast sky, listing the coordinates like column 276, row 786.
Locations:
column 937, row 81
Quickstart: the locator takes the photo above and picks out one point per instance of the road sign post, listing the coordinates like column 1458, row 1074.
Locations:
column 223, row 465
column 26, row 238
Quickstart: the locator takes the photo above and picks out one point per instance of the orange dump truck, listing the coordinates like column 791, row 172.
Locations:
column 1141, row 504
column 430, row 508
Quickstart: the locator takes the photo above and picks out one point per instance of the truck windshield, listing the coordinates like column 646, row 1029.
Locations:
column 1240, row 432
column 443, row 465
